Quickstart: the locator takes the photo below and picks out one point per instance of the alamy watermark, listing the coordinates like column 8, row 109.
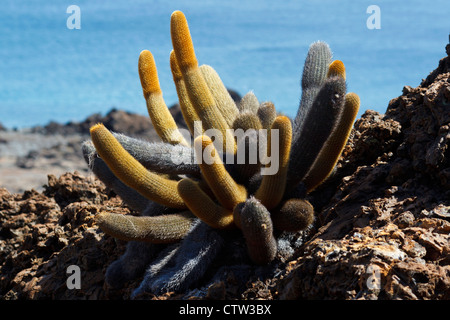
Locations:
column 74, row 20
column 74, row 279
column 374, row 20
column 258, row 149
column 373, row 281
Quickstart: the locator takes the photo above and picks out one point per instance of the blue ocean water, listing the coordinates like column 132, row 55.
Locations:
column 49, row 72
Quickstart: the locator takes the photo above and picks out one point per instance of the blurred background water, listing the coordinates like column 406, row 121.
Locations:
column 49, row 72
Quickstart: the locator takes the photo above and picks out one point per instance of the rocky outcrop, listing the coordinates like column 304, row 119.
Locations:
column 42, row 234
column 115, row 120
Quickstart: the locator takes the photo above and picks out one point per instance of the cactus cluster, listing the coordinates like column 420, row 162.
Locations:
column 187, row 206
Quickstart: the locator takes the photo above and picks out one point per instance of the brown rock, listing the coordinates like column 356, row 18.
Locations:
column 41, row 234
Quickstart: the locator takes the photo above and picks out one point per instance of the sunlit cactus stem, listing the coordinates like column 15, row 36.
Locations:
column 199, row 93
column 160, row 115
column 226, row 190
column 132, row 172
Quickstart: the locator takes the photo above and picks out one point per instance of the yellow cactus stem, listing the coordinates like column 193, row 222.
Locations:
column 272, row 187
column 336, row 68
column 132, row 172
column 187, row 109
column 226, row 190
column 155, row 229
column 182, row 41
column 332, row 149
column 163, row 122
column 225, row 103
column 203, row 206
column 196, row 86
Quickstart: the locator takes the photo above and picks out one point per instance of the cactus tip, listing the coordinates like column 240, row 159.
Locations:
column 148, row 73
